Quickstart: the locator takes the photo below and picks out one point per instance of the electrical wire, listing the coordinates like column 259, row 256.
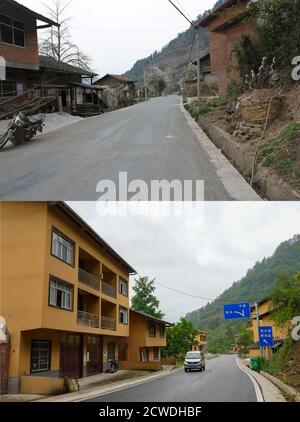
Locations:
column 184, row 293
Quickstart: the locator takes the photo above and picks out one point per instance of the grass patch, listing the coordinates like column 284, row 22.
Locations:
column 230, row 128
column 282, row 153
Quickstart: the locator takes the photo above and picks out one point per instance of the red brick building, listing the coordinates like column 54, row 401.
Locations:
column 226, row 24
column 19, row 45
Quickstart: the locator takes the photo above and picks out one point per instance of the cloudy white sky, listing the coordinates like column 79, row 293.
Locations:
column 116, row 33
column 202, row 253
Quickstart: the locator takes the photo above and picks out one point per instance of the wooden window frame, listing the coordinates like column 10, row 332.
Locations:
column 59, row 233
column 50, row 357
column 53, row 278
column 153, row 324
column 124, row 309
column 13, row 27
column 162, row 329
column 122, row 280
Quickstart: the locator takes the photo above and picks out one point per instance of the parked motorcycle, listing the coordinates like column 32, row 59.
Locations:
column 113, row 366
column 22, row 129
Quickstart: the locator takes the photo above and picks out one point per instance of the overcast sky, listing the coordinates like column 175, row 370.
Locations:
column 117, row 33
column 202, row 253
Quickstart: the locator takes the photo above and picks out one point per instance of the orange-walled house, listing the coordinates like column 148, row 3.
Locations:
column 200, row 341
column 279, row 333
column 63, row 294
column 225, row 24
column 147, row 336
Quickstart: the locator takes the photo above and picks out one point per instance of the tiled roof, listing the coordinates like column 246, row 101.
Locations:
column 121, row 78
column 53, row 64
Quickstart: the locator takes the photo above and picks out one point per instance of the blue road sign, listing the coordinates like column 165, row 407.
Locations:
column 237, row 311
column 266, row 337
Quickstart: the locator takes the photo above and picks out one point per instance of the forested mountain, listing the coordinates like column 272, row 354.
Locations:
column 256, row 285
column 174, row 57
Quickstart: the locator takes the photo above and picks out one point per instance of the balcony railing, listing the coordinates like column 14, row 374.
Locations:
column 108, row 290
column 108, row 324
column 87, row 320
column 89, row 279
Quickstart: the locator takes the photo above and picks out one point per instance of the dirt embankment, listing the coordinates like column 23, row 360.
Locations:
column 277, row 163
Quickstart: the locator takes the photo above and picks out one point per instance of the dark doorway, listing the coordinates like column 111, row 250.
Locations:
column 71, row 356
column 95, row 355
column 111, row 351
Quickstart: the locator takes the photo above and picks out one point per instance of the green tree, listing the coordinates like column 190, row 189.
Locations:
column 245, row 338
column 144, row 299
column 286, row 298
column 180, row 338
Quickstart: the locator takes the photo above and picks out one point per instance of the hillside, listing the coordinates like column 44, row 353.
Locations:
column 257, row 284
column 174, row 57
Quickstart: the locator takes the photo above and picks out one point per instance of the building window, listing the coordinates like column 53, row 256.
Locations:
column 123, row 315
column 152, row 329
column 12, row 31
column 162, row 331
column 40, row 356
column 61, row 294
column 123, row 287
column 202, row 338
column 63, row 248
column 8, row 87
column 155, row 353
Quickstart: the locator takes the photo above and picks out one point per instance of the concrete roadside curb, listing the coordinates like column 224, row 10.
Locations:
column 234, row 183
column 265, row 390
column 287, row 390
column 111, row 388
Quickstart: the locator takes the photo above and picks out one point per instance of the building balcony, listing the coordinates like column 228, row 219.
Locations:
column 108, row 324
column 87, row 320
column 108, row 290
column 88, row 279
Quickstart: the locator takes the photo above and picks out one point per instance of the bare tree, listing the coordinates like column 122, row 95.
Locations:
column 57, row 43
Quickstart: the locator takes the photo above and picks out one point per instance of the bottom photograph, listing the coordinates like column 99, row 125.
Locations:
column 196, row 306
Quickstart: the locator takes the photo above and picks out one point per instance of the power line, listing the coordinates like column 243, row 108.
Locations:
column 180, row 11
column 183, row 293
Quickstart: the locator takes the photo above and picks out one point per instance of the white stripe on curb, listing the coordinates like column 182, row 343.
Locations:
column 259, row 395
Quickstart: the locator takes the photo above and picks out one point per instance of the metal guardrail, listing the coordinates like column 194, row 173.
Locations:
column 89, row 279
column 108, row 324
column 108, row 290
column 87, row 320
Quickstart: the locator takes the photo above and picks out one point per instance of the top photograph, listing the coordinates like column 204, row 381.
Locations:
column 135, row 100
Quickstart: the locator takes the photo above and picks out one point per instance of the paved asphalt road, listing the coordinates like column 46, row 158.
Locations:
column 150, row 141
column 222, row 381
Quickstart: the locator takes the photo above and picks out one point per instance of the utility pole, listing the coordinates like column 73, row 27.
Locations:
column 198, row 64
column 197, row 29
column 145, row 85
column 258, row 325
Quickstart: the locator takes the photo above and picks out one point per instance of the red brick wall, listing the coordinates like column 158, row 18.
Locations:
column 222, row 42
column 28, row 55
column 222, row 60
column 4, row 362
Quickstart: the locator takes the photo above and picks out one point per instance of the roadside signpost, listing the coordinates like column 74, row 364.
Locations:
column 237, row 311
column 266, row 336
column 243, row 311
